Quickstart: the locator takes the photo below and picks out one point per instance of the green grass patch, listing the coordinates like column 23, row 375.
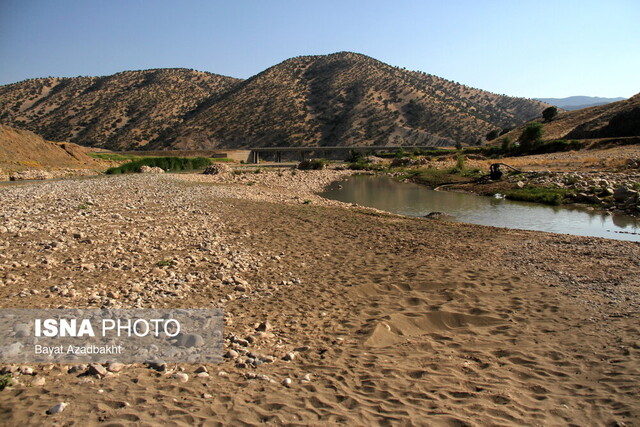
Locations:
column 168, row 164
column 5, row 381
column 546, row 195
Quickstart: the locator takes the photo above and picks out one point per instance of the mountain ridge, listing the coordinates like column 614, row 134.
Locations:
column 343, row 98
column 579, row 102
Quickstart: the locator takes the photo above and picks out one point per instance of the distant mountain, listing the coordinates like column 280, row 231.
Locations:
column 578, row 102
column 613, row 120
column 338, row 99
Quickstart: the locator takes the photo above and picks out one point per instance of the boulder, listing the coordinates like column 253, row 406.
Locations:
column 151, row 169
column 217, row 169
column 625, row 195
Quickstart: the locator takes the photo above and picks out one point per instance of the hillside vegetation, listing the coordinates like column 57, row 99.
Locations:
column 615, row 120
column 125, row 110
column 338, row 99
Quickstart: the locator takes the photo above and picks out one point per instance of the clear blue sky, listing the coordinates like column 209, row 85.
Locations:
column 516, row 47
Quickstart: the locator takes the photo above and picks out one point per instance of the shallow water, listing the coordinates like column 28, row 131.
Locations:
column 415, row 200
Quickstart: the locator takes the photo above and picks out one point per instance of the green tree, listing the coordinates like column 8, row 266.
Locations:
column 549, row 114
column 493, row 134
column 506, row 144
column 531, row 136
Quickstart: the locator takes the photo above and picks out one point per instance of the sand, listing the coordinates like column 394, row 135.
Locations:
column 397, row 321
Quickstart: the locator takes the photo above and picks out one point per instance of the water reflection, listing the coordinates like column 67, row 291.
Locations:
column 415, row 200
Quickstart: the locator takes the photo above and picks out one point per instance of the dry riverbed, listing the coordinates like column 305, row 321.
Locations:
column 334, row 314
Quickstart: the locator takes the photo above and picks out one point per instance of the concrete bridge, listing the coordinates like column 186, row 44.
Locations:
column 328, row 152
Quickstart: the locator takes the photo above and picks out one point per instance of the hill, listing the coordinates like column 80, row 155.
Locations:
column 125, row 110
column 347, row 99
column 338, row 99
column 20, row 149
column 578, row 102
column 614, row 120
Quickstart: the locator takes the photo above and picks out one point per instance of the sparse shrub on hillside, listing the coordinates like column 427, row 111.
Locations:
column 549, row 114
column 493, row 134
column 506, row 144
column 531, row 136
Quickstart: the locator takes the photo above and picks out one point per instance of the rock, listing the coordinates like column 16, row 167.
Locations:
column 189, row 340
column 115, row 367
column 150, row 169
column 21, row 330
column 201, row 369
column 57, row 409
column 202, row 375
column 26, row 370
column 435, row 215
column 97, row 369
column 264, row 326
column 287, row 382
column 217, row 169
column 305, row 378
column 231, row 354
column 289, row 357
column 157, row 364
column 180, row 376
column 38, row 382
column 76, row 368
column 624, row 193
column 520, row 184
column 206, row 396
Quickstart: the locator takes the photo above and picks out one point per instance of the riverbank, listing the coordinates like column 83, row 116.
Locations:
column 372, row 318
column 608, row 179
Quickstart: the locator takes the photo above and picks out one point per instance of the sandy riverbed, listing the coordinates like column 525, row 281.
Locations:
column 390, row 320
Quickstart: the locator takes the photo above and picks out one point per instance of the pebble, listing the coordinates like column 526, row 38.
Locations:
column 231, row 354
column 180, row 376
column 115, row 367
column 39, row 381
column 287, row 382
column 57, row 408
column 97, row 369
column 264, row 327
column 289, row 357
column 26, row 370
column 305, row 378
column 158, row 365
